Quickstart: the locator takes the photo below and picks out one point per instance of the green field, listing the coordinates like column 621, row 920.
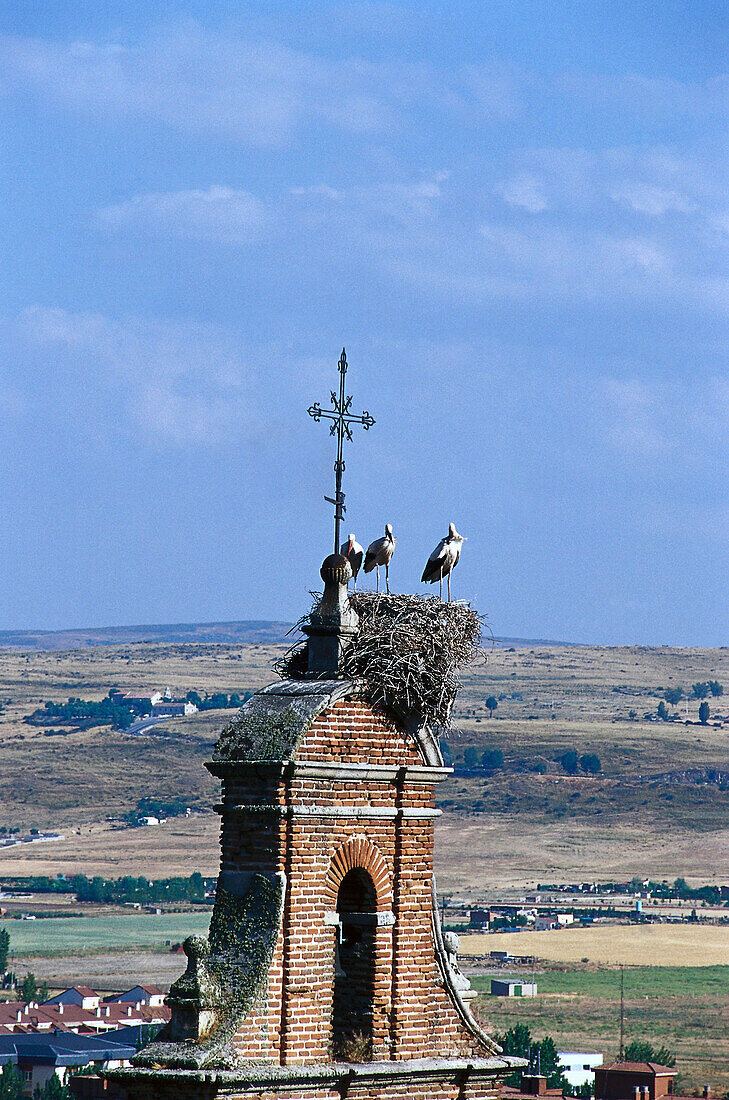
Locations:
column 642, row 981
column 683, row 1007
column 87, row 935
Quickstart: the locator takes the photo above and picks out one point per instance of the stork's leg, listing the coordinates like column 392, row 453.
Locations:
column 449, row 588
column 441, row 586
column 378, row 579
column 387, row 577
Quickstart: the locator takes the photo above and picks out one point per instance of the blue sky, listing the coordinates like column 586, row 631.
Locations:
column 515, row 217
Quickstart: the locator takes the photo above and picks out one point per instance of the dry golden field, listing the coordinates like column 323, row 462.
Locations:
column 614, row 944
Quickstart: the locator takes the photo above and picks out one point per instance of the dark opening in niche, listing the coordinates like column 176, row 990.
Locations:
column 354, row 968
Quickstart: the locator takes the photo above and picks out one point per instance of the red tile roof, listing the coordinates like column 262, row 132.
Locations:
column 638, row 1067
column 72, row 1017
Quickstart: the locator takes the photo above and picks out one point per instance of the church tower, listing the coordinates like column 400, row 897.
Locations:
column 325, row 973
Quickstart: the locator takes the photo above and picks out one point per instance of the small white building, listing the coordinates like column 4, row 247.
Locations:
column 139, row 994
column 578, row 1067
column 81, row 995
column 172, row 708
column 505, row 987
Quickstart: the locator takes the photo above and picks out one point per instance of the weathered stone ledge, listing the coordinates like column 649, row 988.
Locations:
column 258, row 1075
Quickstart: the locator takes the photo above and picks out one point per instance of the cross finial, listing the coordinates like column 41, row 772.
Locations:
column 341, row 427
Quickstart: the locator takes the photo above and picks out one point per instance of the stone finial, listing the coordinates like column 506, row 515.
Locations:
column 334, row 623
column 195, row 996
column 452, row 943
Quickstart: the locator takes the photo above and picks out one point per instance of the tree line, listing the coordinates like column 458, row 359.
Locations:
column 105, row 712
column 700, row 690
column 114, row 891
column 490, row 760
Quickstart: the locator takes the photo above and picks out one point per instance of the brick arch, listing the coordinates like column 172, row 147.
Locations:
column 360, row 852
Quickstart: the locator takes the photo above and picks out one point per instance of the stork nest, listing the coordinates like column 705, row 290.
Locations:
column 407, row 653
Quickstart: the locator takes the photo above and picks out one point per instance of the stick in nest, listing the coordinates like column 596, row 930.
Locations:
column 408, row 651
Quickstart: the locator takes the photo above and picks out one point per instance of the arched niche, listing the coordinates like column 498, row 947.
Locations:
column 355, row 961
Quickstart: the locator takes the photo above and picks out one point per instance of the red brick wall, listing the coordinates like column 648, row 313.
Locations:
column 313, row 841
column 352, row 731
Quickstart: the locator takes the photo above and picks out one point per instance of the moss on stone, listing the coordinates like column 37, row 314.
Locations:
column 230, row 973
column 253, row 735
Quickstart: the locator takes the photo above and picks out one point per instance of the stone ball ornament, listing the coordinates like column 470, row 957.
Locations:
column 335, row 570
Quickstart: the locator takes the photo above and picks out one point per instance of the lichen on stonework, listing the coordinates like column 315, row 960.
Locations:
column 258, row 734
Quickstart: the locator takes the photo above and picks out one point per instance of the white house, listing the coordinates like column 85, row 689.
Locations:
column 173, row 707
column 139, row 994
column 81, row 995
column 578, row 1067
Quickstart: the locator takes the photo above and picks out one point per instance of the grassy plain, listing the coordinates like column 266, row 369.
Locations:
column 88, row 935
column 682, row 1007
column 518, row 827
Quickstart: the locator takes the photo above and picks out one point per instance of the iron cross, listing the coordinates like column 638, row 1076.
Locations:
column 342, row 421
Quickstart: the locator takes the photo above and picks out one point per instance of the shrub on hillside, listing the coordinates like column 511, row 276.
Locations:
column 569, row 761
column 640, row 1050
column 492, row 759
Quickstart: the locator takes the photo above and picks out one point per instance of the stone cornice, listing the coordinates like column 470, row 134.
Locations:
column 387, row 813
column 258, row 1077
column 334, row 771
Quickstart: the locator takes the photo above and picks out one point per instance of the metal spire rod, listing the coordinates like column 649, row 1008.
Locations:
column 342, row 420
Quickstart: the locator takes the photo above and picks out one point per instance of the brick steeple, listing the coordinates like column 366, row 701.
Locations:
column 325, row 972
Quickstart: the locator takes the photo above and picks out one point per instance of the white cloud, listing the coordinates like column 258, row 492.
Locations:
column 569, row 262
column 653, row 98
column 196, row 81
column 177, row 382
column 525, row 191
column 254, row 91
column 219, row 214
column 655, row 201
column 404, row 203
column 167, row 382
column 678, row 424
column 419, row 232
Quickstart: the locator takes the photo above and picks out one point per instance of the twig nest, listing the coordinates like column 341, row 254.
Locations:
column 407, row 652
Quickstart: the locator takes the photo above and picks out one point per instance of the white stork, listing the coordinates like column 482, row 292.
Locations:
column 444, row 560
column 380, row 553
column 353, row 552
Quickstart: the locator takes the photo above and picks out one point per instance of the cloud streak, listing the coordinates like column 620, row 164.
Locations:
column 251, row 90
column 220, row 215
